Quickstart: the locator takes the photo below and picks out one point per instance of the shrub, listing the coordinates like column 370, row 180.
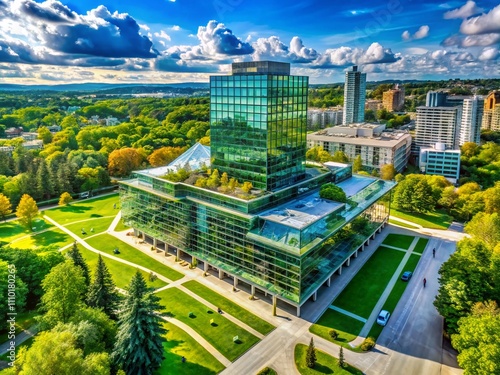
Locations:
column 367, row 344
column 267, row 371
column 333, row 334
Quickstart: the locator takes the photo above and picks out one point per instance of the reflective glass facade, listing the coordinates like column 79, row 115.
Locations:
column 258, row 128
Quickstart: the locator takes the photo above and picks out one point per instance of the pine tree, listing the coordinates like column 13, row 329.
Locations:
column 311, row 355
column 341, row 357
column 77, row 258
column 102, row 292
column 139, row 343
column 44, row 184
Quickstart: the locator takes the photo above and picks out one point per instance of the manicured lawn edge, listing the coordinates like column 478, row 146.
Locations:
column 398, row 240
column 230, row 307
column 107, row 243
column 433, row 220
column 325, row 363
column 420, row 246
column 179, row 305
column 198, row 360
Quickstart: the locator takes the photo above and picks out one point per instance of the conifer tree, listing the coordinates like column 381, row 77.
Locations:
column 311, row 355
column 77, row 258
column 102, row 291
column 139, row 343
column 341, row 357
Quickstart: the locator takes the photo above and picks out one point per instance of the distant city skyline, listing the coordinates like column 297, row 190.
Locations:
column 166, row 41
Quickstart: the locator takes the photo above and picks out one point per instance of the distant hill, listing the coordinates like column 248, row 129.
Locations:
column 95, row 87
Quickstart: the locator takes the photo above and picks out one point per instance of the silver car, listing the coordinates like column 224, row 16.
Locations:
column 383, row 317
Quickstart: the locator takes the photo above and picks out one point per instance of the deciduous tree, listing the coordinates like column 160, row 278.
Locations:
column 123, row 161
column 387, row 172
column 5, row 206
column 357, row 165
column 27, row 210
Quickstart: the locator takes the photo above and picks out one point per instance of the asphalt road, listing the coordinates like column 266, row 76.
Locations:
column 412, row 339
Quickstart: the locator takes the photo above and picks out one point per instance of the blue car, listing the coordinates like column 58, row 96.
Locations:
column 406, row 276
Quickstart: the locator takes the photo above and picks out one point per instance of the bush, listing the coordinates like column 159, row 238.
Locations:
column 368, row 344
column 333, row 334
column 267, row 371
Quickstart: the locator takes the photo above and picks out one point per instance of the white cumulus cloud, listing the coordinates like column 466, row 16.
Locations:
column 422, row 32
column 483, row 24
column 467, row 10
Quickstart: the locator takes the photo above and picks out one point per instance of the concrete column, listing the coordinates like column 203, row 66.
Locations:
column 339, row 271
column 373, row 236
column 348, row 263
column 143, row 235
column 298, row 311
column 367, row 241
column 221, row 274
column 154, row 242
column 356, row 254
column 136, row 232
column 275, row 302
column 363, row 247
column 252, row 291
column 235, row 282
column 380, row 229
column 329, row 281
column 315, row 296
column 205, row 266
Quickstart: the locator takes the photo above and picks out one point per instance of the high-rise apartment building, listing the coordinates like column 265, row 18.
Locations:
column 354, row 96
column 280, row 238
column 491, row 113
column 435, row 99
column 258, row 119
column 470, row 123
column 437, row 124
column 394, row 99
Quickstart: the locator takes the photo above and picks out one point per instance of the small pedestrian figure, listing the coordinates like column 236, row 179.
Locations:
column 434, row 252
column 219, row 310
column 425, row 281
column 183, row 359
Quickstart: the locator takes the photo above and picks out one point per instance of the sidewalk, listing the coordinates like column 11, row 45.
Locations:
column 20, row 338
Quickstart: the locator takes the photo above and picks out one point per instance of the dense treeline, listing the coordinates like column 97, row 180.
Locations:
column 84, row 156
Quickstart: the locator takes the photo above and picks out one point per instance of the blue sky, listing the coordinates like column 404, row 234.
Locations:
column 165, row 41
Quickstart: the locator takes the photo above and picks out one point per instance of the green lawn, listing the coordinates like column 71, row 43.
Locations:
column 363, row 292
column 198, row 360
column 107, row 243
column 403, row 224
column 435, row 220
column 220, row 334
column 398, row 240
column 53, row 236
column 24, row 320
column 85, row 209
column 420, row 246
column 230, row 307
column 121, row 227
column 122, row 273
column 325, row 363
column 13, row 230
column 348, row 328
column 396, row 293
column 99, row 225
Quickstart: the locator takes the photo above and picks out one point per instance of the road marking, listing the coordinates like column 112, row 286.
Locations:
column 345, row 312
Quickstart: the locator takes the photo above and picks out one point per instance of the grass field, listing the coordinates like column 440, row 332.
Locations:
column 325, row 363
column 403, row 224
column 52, row 236
column 434, row 220
column 420, row 246
column 12, row 230
column 121, row 227
column 363, row 292
column 107, row 243
column 121, row 273
column 396, row 293
column 84, row 209
column 347, row 328
column 198, row 360
column 260, row 325
column 220, row 334
column 99, row 225
column 398, row 240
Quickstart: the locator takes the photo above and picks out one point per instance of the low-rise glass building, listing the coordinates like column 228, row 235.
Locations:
column 280, row 236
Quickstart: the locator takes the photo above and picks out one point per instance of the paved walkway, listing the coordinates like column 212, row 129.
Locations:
column 20, row 338
column 348, row 313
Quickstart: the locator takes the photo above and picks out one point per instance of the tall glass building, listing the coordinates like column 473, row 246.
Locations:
column 282, row 238
column 354, row 96
column 258, row 118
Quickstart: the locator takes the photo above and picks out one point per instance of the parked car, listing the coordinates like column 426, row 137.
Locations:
column 84, row 195
column 406, row 276
column 383, row 317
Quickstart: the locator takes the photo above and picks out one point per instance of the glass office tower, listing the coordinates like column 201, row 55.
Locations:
column 258, row 119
